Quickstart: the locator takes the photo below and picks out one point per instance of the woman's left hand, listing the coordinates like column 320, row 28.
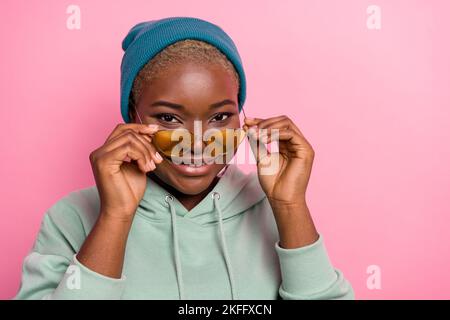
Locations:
column 283, row 175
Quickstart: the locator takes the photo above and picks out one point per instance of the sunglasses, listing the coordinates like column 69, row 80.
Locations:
column 215, row 144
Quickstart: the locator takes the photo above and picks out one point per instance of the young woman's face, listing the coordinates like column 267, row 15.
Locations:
column 179, row 97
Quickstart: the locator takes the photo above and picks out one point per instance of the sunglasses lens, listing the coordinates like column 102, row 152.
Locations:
column 166, row 141
column 219, row 142
column 225, row 141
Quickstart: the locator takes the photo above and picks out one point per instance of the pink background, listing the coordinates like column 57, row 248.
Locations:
column 375, row 105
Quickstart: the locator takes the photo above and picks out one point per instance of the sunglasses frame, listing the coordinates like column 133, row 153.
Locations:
column 168, row 146
column 171, row 157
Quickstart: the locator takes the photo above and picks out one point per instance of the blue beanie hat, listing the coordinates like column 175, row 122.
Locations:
column 148, row 38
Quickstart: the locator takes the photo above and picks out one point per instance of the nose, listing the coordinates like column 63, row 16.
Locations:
column 197, row 144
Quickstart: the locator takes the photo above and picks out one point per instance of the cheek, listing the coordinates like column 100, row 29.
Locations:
column 236, row 122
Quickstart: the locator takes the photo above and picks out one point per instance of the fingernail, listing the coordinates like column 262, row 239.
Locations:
column 151, row 165
column 158, row 156
column 153, row 127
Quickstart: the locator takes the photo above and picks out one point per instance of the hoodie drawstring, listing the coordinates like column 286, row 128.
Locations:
column 178, row 269
column 216, row 197
column 173, row 214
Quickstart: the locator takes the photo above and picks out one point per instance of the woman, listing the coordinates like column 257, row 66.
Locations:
column 156, row 228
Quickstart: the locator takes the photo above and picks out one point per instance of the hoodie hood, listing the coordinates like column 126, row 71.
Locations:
column 233, row 194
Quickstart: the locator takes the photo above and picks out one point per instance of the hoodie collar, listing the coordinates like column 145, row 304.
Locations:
column 237, row 191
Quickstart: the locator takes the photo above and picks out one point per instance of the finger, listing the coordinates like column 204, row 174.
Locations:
column 259, row 122
column 258, row 148
column 263, row 122
column 130, row 137
column 252, row 121
column 262, row 131
column 284, row 122
column 274, row 123
column 279, row 122
column 247, row 127
column 136, row 127
column 284, row 134
column 127, row 150
column 147, row 143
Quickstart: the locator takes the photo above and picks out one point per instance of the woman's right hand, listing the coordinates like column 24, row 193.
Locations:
column 120, row 167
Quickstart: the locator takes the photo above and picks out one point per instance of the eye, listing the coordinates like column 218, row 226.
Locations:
column 167, row 117
column 222, row 116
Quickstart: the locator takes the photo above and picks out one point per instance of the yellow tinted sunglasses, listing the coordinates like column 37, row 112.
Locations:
column 178, row 143
column 215, row 142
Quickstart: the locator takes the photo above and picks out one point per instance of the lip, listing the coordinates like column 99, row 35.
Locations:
column 187, row 170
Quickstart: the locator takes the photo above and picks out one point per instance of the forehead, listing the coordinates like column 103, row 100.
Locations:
column 192, row 84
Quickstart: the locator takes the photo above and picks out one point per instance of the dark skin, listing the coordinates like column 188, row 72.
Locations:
column 181, row 95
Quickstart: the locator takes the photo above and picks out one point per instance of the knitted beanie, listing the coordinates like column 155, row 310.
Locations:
column 148, row 38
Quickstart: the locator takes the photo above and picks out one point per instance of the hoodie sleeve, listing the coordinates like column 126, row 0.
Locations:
column 308, row 274
column 51, row 270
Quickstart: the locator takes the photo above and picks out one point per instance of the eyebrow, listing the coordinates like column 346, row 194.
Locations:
column 181, row 107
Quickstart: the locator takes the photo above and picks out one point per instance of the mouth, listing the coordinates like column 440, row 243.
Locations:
column 194, row 161
column 191, row 167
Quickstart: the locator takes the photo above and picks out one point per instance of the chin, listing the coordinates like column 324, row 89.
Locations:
column 188, row 181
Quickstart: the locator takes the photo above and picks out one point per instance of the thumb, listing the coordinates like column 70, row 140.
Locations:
column 268, row 163
column 259, row 149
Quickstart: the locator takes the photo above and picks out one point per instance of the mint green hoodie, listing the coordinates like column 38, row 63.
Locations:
column 224, row 248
